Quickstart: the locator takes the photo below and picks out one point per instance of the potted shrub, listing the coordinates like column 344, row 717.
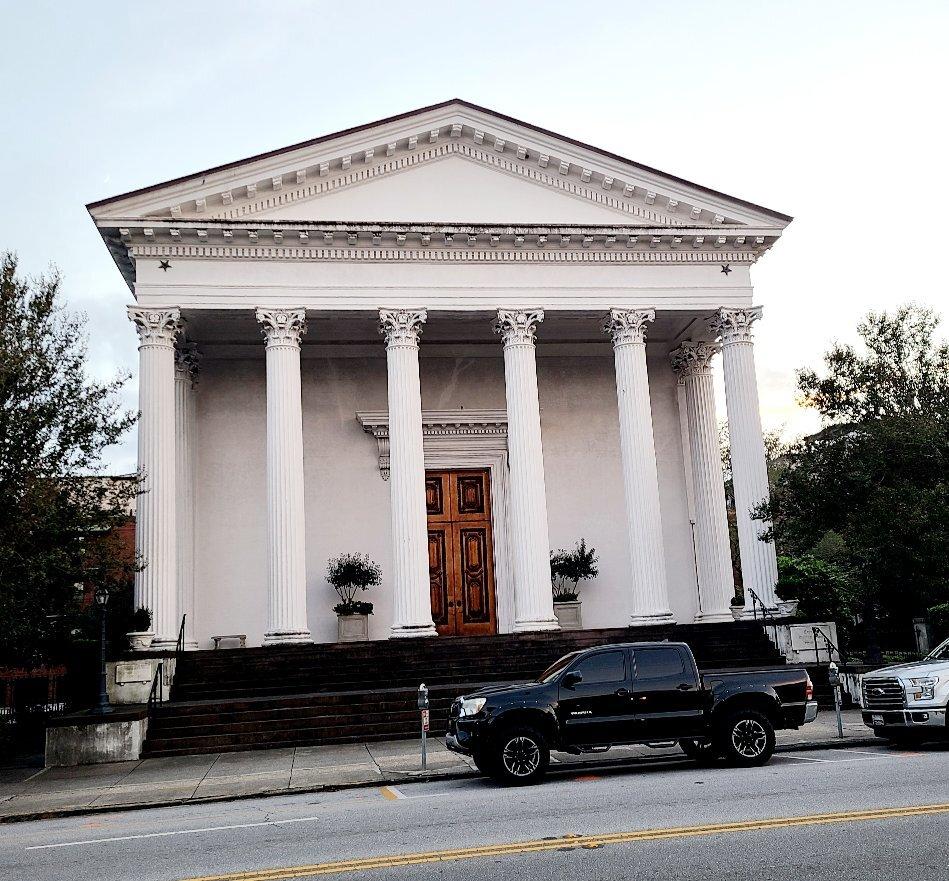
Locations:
column 738, row 607
column 349, row 574
column 141, row 635
column 567, row 570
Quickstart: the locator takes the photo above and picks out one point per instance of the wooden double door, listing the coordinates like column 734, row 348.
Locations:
column 460, row 552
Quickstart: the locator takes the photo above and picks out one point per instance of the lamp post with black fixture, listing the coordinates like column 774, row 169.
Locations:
column 102, row 601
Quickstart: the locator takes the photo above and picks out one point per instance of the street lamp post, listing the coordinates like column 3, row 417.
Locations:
column 102, row 601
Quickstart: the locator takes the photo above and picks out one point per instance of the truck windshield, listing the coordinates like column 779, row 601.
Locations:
column 556, row 667
column 939, row 653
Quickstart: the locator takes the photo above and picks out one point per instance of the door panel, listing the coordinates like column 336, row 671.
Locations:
column 438, row 567
column 461, row 555
column 666, row 693
column 598, row 710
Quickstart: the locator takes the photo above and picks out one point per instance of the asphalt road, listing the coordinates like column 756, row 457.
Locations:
column 844, row 814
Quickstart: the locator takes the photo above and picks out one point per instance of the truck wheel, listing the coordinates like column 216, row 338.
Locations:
column 746, row 738
column 702, row 751
column 520, row 756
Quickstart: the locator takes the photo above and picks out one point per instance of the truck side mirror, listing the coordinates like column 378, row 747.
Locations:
column 572, row 679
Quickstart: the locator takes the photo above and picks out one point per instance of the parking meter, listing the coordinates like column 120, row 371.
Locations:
column 424, row 710
column 833, row 676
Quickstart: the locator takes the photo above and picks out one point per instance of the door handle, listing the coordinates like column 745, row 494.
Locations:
column 684, row 687
column 622, row 692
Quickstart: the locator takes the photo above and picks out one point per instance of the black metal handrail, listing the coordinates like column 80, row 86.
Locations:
column 767, row 616
column 180, row 643
column 156, row 694
column 829, row 645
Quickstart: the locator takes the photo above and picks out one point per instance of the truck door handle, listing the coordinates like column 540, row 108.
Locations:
column 621, row 692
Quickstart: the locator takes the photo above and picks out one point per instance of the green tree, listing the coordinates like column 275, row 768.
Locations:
column 870, row 491
column 57, row 518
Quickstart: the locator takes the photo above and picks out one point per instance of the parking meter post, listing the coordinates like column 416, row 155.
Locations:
column 833, row 674
column 424, row 712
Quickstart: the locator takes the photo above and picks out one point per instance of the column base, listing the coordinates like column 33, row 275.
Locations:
column 165, row 644
column 412, row 631
column 283, row 637
column 647, row 620
column 540, row 626
column 713, row 618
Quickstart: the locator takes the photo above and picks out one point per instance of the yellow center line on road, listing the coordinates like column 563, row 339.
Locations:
column 569, row 841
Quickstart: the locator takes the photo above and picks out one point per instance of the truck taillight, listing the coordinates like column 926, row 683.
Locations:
column 809, row 689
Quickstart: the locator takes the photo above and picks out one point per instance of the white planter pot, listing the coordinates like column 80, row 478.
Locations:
column 787, row 608
column 738, row 612
column 568, row 614
column 353, row 628
column 140, row 640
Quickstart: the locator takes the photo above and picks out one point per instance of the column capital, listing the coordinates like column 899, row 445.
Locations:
column 734, row 325
column 156, row 326
column 693, row 358
column 282, row 327
column 187, row 362
column 628, row 326
column 402, row 327
column 517, row 327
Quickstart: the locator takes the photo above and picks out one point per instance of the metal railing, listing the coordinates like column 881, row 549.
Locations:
column 156, row 694
column 180, row 643
column 767, row 616
column 830, row 645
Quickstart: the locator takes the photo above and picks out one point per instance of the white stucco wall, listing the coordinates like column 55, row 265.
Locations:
column 347, row 500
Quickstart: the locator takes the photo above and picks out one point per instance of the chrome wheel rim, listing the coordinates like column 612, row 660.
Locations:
column 521, row 756
column 749, row 738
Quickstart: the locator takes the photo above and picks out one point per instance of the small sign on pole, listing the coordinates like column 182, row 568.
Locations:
column 423, row 708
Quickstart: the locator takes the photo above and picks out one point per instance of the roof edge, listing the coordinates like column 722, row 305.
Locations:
column 269, row 154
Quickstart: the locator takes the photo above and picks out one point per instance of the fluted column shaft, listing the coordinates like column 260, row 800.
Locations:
column 759, row 565
column 530, row 545
column 713, row 553
column 650, row 598
column 286, row 620
column 412, row 599
column 155, row 526
column 186, row 367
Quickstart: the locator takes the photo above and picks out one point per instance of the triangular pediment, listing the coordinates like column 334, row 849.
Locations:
column 454, row 162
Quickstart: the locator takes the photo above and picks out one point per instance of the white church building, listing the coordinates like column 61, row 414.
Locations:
column 454, row 341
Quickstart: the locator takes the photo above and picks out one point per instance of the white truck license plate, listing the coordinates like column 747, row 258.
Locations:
column 876, row 721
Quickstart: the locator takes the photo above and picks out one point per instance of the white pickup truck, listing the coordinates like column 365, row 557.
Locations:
column 908, row 701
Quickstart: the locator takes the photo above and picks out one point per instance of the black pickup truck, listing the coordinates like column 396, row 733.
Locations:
column 642, row 692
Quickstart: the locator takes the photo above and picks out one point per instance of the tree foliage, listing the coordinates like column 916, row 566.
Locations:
column 350, row 573
column 569, row 568
column 870, row 491
column 57, row 514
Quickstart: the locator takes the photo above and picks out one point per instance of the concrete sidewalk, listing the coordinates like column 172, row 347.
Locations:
column 26, row 793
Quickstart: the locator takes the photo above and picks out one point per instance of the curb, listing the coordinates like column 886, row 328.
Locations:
column 401, row 777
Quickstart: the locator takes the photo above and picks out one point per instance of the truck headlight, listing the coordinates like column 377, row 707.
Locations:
column 924, row 688
column 471, row 706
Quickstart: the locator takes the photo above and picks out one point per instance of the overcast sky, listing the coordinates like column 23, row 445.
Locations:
column 833, row 112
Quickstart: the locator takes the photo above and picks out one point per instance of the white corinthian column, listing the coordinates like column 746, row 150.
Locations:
column 413, row 599
column 713, row 553
column 759, row 565
column 530, row 545
column 186, row 372
column 286, row 620
column 155, row 527
column 640, row 479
